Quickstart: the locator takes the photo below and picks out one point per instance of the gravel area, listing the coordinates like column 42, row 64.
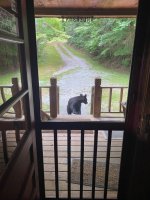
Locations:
column 78, row 82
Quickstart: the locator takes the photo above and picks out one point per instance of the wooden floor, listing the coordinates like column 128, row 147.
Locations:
column 49, row 162
column 11, row 145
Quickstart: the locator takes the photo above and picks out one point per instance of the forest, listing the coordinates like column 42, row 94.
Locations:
column 108, row 40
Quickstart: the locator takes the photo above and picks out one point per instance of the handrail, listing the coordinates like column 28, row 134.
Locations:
column 46, row 86
column 86, row 125
column 6, row 86
column 12, row 125
column 115, row 87
column 11, row 102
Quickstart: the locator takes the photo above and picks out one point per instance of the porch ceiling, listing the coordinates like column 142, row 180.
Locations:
column 82, row 7
column 86, row 7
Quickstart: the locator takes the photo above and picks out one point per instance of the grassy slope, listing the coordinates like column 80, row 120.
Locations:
column 50, row 62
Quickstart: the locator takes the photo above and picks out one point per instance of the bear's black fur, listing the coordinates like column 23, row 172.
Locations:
column 74, row 104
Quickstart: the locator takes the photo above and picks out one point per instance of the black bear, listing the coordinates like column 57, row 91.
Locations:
column 74, row 104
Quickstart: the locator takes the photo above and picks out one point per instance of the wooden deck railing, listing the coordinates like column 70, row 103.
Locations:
column 13, row 90
column 53, row 98
column 74, row 154
column 104, row 99
column 107, row 99
column 10, row 132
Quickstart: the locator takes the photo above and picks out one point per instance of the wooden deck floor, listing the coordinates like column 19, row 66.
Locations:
column 49, row 162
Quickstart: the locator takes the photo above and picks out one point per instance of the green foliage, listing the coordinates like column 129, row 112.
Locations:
column 106, row 39
column 48, row 30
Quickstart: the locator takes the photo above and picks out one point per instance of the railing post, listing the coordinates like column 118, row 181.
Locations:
column 97, row 98
column 92, row 99
column 15, row 89
column 57, row 100
column 53, row 98
column 5, row 150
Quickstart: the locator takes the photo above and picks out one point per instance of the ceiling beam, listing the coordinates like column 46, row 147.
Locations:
column 120, row 12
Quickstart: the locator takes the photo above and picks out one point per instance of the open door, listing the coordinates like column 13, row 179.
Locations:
column 135, row 166
column 21, row 178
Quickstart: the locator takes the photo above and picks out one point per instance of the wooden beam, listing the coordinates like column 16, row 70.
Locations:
column 11, row 102
column 121, row 12
column 87, row 125
column 13, row 125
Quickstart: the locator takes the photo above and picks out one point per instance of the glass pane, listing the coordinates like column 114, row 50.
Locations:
column 10, row 77
column 8, row 22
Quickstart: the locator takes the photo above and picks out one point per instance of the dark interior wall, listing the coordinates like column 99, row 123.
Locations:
column 135, row 166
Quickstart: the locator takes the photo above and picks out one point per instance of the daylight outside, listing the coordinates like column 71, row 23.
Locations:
column 76, row 52
column 84, row 70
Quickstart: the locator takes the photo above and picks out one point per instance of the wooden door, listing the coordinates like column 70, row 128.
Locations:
column 135, row 173
column 21, row 178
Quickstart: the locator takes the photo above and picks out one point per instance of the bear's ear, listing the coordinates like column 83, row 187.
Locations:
column 81, row 95
column 85, row 95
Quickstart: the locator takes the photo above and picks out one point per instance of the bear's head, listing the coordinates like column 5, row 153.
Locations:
column 84, row 98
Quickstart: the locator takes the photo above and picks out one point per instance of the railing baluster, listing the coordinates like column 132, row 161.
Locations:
column 69, row 162
column 17, row 134
column 107, row 163
column 110, row 94
column 3, row 94
column 56, row 164
column 57, row 100
column 110, row 98
column 94, row 163
column 4, row 140
column 121, row 97
column 53, row 98
column 81, row 164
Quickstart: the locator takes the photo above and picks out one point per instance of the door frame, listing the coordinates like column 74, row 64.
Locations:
column 134, row 137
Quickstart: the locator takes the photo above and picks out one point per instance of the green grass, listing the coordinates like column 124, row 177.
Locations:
column 5, row 79
column 115, row 105
column 50, row 63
